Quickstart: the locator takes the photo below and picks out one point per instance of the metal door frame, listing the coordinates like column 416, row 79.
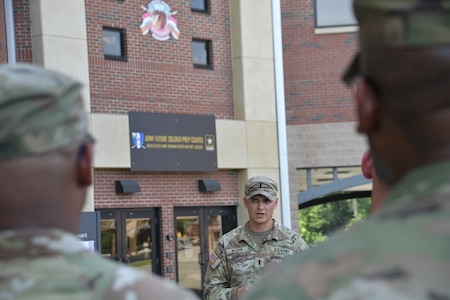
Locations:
column 203, row 213
column 121, row 215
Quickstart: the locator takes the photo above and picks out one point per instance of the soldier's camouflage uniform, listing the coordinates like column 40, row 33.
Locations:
column 403, row 251
column 239, row 261
column 51, row 264
column 42, row 111
column 403, row 248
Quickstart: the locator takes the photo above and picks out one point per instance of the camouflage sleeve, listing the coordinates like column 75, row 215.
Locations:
column 217, row 279
column 300, row 245
column 128, row 283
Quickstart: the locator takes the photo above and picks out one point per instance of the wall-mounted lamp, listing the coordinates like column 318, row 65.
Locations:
column 170, row 237
column 127, row 186
column 209, row 185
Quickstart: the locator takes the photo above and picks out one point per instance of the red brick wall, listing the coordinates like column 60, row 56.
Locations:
column 165, row 191
column 3, row 45
column 160, row 189
column 312, row 68
column 22, row 28
column 159, row 76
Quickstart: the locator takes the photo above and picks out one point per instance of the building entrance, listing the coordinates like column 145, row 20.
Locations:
column 131, row 237
column 198, row 232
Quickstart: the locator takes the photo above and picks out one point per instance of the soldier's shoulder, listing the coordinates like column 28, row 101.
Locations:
column 233, row 234
column 127, row 282
column 288, row 232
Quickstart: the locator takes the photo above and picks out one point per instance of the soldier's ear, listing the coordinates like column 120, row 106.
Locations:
column 366, row 164
column 245, row 200
column 84, row 164
column 368, row 106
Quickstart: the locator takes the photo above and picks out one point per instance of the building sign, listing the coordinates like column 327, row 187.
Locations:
column 89, row 230
column 159, row 20
column 168, row 142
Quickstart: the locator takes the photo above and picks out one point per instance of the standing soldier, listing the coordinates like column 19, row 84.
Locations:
column 46, row 157
column 248, row 251
column 401, row 79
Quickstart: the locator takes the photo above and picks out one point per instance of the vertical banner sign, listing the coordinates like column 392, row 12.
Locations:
column 169, row 142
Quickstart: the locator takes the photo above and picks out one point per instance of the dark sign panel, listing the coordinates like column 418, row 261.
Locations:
column 168, row 142
column 89, row 230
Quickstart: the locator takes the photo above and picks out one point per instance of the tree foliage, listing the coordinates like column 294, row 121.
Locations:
column 318, row 222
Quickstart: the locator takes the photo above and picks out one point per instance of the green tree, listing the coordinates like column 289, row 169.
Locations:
column 319, row 221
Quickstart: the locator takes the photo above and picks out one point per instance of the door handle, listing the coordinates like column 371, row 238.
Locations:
column 201, row 258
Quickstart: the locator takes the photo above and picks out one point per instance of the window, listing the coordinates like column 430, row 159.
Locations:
column 113, row 43
column 332, row 13
column 199, row 5
column 201, row 53
column 331, row 199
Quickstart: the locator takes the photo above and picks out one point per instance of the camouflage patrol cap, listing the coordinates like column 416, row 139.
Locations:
column 385, row 24
column 261, row 185
column 40, row 111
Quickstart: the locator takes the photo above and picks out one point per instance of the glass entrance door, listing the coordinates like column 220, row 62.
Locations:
column 198, row 231
column 130, row 237
column 188, row 251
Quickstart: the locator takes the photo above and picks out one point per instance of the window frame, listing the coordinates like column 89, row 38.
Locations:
column 318, row 26
column 199, row 10
column 208, row 46
column 121, row 36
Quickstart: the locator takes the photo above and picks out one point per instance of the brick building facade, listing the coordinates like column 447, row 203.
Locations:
column 320, row 116
column 238, row 88
column 313, row 64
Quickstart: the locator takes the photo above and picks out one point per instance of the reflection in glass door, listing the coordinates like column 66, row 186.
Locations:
column 215, row 232
column 138, row 231
column 188, row 250
column 198, row 232
column 128, row 237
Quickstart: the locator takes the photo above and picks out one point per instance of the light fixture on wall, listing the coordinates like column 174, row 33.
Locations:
column 209, row 185
column 127, row 186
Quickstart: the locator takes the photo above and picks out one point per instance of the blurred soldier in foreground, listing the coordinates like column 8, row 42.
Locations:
column 45, row 168
column 244, row 254
column 401, row 80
